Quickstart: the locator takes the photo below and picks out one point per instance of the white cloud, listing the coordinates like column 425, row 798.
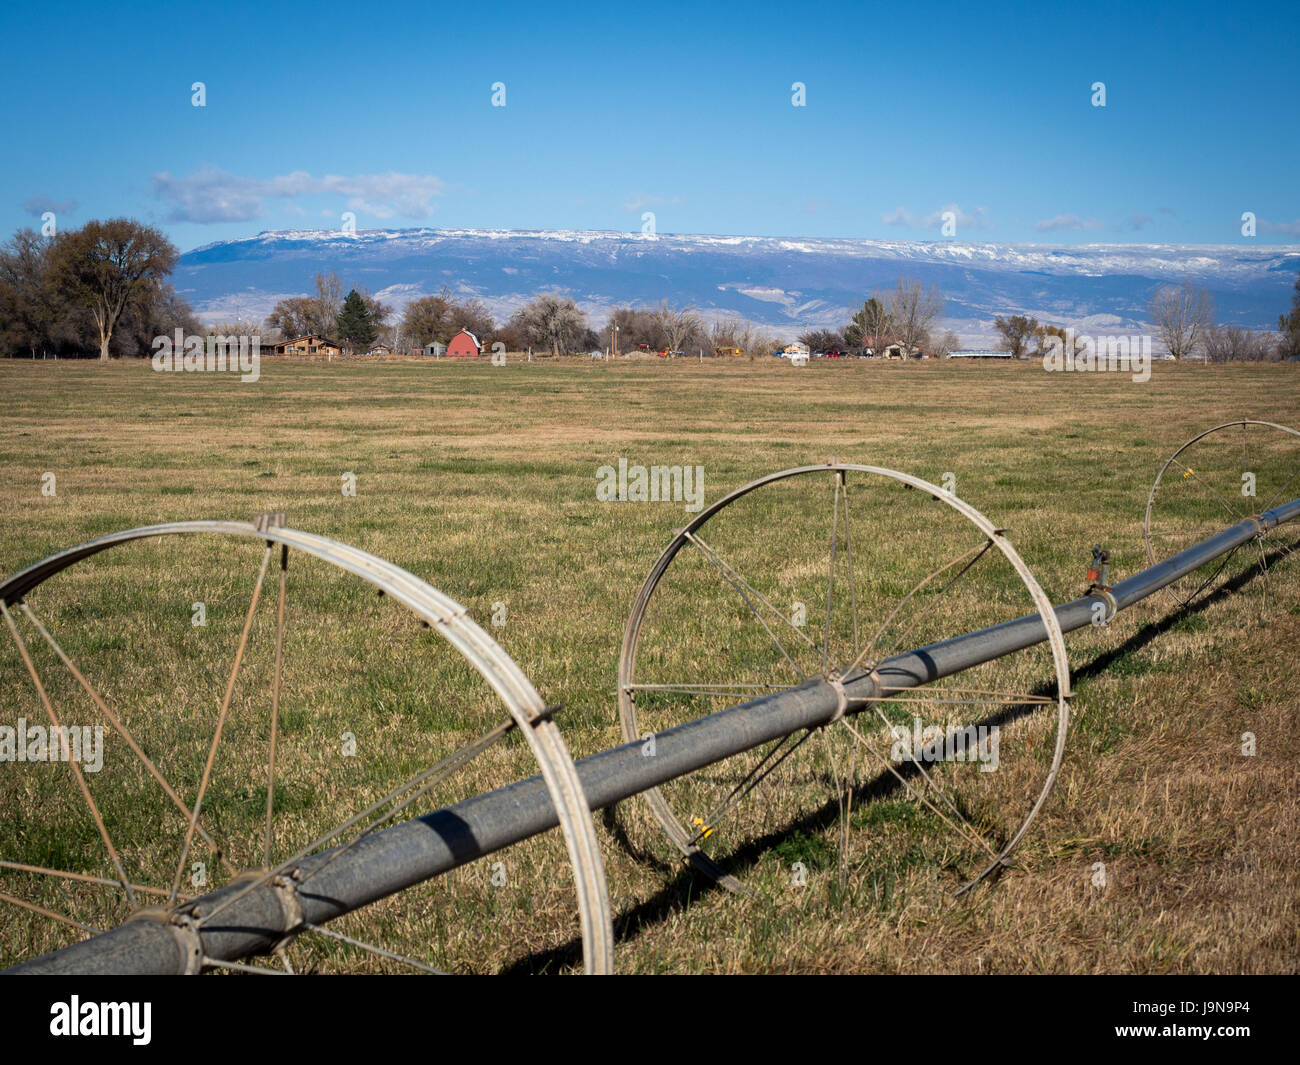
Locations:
column 901, row 216
column 1290, row 229
column 1066, row 221
column 38, row 205
column 640, row 202
column 212, row 195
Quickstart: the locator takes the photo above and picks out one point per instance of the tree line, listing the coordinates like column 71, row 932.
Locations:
column 101, row 288
column 551, row 322
column 906, row 315
column 104, row 288
column 1184, row 318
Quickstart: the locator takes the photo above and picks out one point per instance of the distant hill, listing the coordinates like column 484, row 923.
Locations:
column 788, row 284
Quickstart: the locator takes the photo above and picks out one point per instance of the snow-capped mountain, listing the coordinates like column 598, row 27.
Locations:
column 786, row 283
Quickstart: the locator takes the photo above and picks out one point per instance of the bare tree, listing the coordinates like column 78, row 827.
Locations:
column 296, row 317
column 680, row 326
column 821, row 339
column 1045, row 332
column 638, row 329
column 724, row 336
column 1182, row 314
column 754, row 342
column 552, row 321
column 329, row 301
column 425, row 320
column 912, row 310
column 1233, row 344
column 108, row 266
column 29, row 304
column 947, row 343
column 238, row 328
column 1289, row 326
column 471, row 314
column 1017, row 332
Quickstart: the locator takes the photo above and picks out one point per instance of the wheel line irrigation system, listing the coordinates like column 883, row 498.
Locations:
column 255, row 917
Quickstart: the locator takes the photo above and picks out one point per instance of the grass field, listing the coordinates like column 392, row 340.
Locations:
column 482, row 481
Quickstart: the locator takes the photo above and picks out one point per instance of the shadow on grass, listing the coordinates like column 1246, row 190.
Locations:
column 686, row 884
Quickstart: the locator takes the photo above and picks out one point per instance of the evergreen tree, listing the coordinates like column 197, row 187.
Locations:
column 869, row 326
column 356, row 325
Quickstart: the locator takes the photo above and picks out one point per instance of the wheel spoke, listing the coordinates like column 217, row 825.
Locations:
column 72, row 763
column 1263, row 566
column 969, row 558
column 929, row 779
column 374, row 950
column 1277, row 546
column 62, row 918
column 1184, row 600
column 841, row 859
column 735, row 691
column 981, row 696
column 709, row 823
column 830, row 577
column 124, row 732
column 848, row 554
column 1189, row 472
column 84, row 878
column 738, row 582
column 705, row 689
column 417, row 785
column 275, row 702
column 962, row 827
column 244, row 967
column 969, row 808
column 221, row 724
column 1280, row 492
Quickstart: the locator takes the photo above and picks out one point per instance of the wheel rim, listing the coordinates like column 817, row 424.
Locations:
column 1223, row 475
column 688, row 822
column 519, row 709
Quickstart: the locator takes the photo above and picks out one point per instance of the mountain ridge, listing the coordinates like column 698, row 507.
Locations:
column 785, row 283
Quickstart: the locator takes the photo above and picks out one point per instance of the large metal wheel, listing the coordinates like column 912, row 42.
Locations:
column 1221, row 476
column 783, row 581
column 251, row 774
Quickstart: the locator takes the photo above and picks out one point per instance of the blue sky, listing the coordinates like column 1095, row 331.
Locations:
column 684, row 110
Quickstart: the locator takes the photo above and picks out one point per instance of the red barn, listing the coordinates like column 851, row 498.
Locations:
column 464, row 345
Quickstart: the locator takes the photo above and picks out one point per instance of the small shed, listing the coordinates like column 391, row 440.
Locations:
column 464, row 345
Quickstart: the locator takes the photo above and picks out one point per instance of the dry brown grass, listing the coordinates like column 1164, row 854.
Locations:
column 481, row 481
